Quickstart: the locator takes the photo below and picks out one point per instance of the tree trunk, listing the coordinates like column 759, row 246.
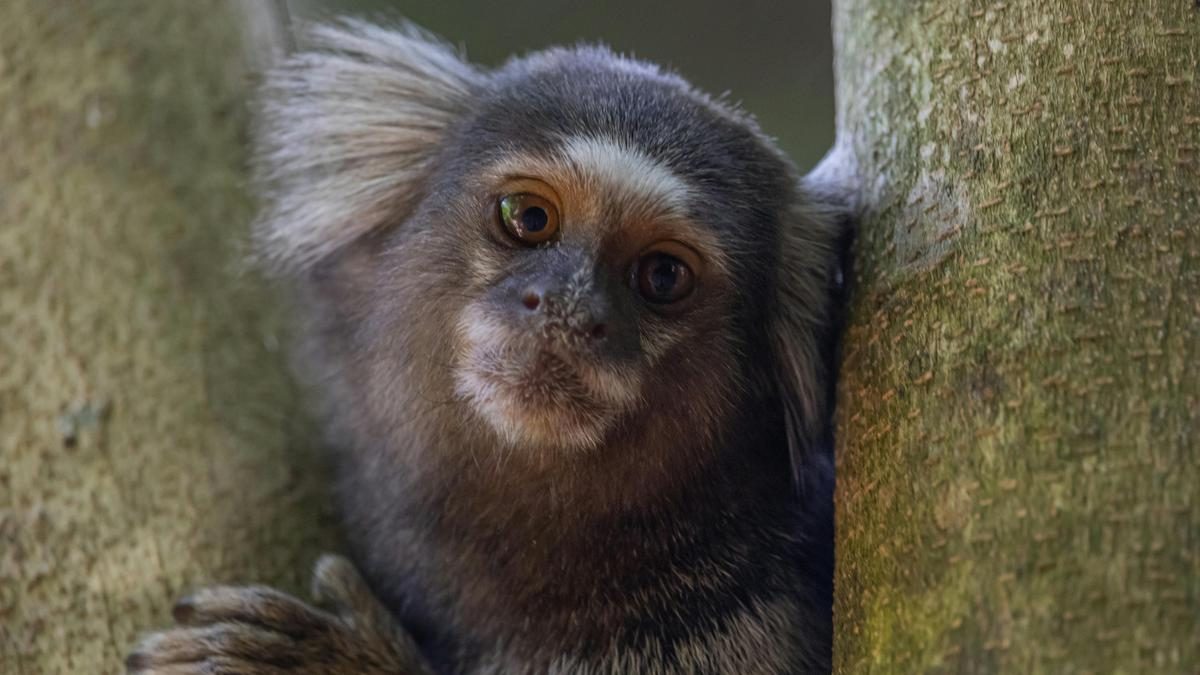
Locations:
column 148, row 433
column 1020, row 399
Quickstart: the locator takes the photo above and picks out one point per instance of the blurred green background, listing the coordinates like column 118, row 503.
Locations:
column 774, row 57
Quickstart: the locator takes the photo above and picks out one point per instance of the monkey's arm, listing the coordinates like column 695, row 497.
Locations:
column 255, row 630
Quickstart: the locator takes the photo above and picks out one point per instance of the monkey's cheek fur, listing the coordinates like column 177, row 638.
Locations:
column 539, row 400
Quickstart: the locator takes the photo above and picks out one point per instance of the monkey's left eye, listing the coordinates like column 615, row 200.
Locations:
column 666, row 273
column 529, row 218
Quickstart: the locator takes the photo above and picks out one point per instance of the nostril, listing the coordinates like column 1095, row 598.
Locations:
column 531, row 300
column 599, row 331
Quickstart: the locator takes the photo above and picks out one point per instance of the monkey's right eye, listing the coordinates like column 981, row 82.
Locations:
column 529, row 218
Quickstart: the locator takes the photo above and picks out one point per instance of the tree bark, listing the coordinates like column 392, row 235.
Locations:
column 149, row 435
column 1020, row 397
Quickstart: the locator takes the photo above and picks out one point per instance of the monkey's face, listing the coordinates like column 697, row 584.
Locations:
column 590, row 278
column 569, row 249
column 607, row 271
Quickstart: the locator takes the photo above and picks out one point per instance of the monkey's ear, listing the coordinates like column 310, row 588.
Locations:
column 347, row 131
column 810, row 297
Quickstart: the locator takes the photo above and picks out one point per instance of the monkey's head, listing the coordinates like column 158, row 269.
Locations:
column 572, row 248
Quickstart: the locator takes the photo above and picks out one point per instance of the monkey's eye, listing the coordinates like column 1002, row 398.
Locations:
column 663, row 278
column 528, row 218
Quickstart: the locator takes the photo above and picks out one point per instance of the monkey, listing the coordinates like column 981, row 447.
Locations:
column 571, row 328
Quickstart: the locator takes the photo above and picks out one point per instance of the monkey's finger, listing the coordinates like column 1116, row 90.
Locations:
column 177, row 669
column 174, row 669
column 197, row 646
column 254, row 605
column 218, row 666
column 337, row 585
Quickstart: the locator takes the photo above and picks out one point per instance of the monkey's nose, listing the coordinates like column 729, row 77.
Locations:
column 582, row 316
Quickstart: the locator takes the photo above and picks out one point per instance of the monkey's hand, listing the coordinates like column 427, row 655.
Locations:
column 254, row 630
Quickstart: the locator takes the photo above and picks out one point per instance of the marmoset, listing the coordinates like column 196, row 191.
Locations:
column 572, row 325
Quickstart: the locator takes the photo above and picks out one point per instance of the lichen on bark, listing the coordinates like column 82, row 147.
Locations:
column 149, row 435
column 1020, row 400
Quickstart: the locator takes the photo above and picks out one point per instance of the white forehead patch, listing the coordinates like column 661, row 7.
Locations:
column 627, row 171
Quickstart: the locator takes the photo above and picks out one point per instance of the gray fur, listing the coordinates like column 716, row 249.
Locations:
column 347, row 131
column 523, row 495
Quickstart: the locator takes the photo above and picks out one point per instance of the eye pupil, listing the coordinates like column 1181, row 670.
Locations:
column 662, row 278
column 534, row 219
column 529, row 218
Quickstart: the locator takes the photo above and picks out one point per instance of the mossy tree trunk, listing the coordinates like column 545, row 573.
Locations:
column 1019, row 450
column 149, row 439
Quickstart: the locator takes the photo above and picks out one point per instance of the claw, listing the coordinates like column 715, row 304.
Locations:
column 184, row 610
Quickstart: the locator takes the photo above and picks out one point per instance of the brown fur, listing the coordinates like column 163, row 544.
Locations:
column 524, row 495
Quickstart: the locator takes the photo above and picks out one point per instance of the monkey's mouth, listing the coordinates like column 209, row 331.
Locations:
column 542, row 398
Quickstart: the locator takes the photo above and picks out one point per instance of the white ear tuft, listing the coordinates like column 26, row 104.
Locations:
column 348, row 129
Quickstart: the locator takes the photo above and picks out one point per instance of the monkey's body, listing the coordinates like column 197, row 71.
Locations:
column 541, row 471
column 726, row 572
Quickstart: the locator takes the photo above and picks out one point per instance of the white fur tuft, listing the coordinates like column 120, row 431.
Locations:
column 347, row 130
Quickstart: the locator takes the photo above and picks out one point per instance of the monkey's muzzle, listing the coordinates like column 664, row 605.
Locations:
column 550, row 360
